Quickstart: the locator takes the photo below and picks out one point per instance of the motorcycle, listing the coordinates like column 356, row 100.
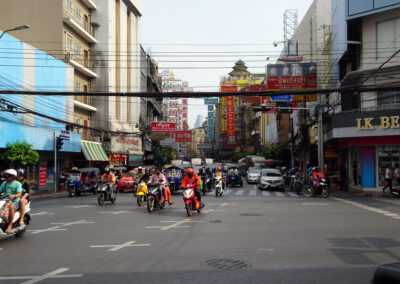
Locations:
column 292, row 183
column 209, row 183
column 103, row 193
column 17, row 230
column 219, row 188
column 298, row 184
column 191, row 202
column 155, row 200
column 203, row 185
column 322, row 190
column 142, row 193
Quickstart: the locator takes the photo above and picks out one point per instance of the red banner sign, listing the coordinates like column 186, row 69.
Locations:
column 42, row 176
column 230, row 133
column 183, row 136
column 162, row 126
column 227, row 89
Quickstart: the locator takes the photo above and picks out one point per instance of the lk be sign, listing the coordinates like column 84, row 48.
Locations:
column 386, row 122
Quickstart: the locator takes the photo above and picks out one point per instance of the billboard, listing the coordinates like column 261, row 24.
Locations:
column 162, row 126
column 183, row 136
column 226, row 89
column 292, row 76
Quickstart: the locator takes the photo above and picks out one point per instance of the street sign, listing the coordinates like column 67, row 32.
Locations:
column 211, row 101
column 285, row 98
column 211, row 108
column 65, row 135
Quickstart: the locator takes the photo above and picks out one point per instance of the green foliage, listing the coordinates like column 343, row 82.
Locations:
column 277, row 153
column 160, row 157
column 20, row 153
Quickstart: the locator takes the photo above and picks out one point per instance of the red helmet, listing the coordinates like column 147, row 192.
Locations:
column 190, row 171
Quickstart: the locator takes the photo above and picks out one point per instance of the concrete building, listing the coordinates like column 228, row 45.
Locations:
column 199, row 121
column 363, row 131
column 63, row 29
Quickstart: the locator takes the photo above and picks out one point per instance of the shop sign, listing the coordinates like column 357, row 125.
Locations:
column 292, row 76
column 386, row 122
column 65, row 135
column 211, row 101
column 42, row 175
column 228, row 89
column 183, row 136
column 162, row 126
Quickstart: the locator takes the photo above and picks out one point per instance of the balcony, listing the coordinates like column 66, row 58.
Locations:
column 90, row 4
column 82, row 104
column 81, row 68
column 74, row 24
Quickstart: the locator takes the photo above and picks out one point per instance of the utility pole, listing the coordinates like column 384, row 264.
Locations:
column 292, row 141
column 320, row 135
column 55, row 162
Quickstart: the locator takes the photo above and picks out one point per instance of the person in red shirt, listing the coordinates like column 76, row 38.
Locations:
column 317, row 176
column 192, row 178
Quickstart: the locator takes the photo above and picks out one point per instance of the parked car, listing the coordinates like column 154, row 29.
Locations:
column 271, row 179
column 253, row 175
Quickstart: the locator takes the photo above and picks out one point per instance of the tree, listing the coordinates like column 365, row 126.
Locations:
column 164, row 157
column 20, row 153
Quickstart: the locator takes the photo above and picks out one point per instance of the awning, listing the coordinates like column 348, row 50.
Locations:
column 93, row 151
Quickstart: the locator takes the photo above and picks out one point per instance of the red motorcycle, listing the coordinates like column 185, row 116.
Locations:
column 191, row 202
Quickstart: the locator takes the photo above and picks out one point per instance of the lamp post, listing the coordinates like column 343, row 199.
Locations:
column 19, row 28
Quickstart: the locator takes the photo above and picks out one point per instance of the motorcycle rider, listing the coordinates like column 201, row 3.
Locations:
column 317, row 176
column 192, row 179
column 159, row 178
column 146, row 176
column 140, row 172
column 26, row 187
column 11, row 189
column 110, row 177
column 220, row 173
column 202, row 176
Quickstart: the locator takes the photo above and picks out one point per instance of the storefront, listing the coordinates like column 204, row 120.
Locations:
column 367, row 142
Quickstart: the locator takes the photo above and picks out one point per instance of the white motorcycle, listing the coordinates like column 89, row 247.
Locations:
column 219, row 189
column 17, row 230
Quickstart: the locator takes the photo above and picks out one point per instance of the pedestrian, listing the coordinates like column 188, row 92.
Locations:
column 388, row 178
column 397, row 173
column 26, row 188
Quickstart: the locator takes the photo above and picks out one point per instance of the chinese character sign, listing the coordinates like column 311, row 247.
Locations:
column 162, row 126
column 183, row 136
column 42, row 175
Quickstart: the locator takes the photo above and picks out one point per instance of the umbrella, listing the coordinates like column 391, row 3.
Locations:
column 270, row 161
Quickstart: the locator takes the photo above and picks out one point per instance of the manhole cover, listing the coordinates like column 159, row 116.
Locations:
column 215, row 221
column 251, row 214
column 226, row 264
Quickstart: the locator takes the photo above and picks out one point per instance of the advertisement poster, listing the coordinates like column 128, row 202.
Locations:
column 292, row 76
column 183, row 136
column 42, row 175
column 162, row 127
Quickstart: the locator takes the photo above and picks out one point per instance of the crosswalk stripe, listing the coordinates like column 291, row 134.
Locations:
column 252, row 193
column 239, row 192
column 226, row 192
column 279, row 194
column 266, row 193
column 293, row 194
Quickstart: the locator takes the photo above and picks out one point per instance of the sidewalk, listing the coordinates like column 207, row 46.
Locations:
column 48, row 195
column 355, row 191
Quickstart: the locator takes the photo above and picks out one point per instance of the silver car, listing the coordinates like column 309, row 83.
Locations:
column 253, row 175
column 271, row 179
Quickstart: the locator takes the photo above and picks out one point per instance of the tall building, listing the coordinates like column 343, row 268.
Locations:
column 199, row 121
column 63, row 29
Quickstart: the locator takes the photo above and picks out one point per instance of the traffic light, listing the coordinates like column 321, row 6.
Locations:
column 59, row 143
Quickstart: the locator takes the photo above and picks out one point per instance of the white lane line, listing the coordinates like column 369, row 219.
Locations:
column 118, row 247
column 293, row 194
column 51, row 229
column 316, row 204
column 79, row 206
column 266, row 249
column 114, row 212
column 252, row 193
column 41, row 213
column 51, row 275
column 208, row 210
column 226, row 192
column 239, row 192
column 80, row 222
column 369, row 208
column 179, row 223
column 279, row 194
column 266, row 193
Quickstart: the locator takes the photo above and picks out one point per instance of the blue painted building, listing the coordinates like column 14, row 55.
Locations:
column 23, row 67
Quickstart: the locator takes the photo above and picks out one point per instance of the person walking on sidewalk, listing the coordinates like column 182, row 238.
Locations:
column 397, row 173
column 388, row 178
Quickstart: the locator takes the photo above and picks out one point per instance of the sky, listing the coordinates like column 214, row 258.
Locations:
column 200, row 41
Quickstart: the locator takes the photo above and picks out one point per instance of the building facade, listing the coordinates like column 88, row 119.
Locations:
column 31, row 69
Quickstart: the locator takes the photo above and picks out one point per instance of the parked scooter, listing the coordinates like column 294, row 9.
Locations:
column 17, row 230
column 191, row 202
column 219, row 189
column 141, row 193
column 322, row 190
column 103, row 193
column 155, row 200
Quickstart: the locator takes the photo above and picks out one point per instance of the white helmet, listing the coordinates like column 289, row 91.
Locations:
column 11, row 172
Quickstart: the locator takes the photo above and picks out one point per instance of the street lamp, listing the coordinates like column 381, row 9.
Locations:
column 19, row 28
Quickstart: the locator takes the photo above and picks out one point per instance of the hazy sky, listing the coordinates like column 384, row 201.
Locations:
column 221, row 31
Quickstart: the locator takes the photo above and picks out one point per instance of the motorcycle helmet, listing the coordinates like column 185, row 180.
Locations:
column 219, row 168
column 107, row 170
column 190, row 172
column 20, row 172
column 11, row 172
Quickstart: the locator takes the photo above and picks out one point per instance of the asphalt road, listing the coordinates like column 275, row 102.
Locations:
column 246, row 236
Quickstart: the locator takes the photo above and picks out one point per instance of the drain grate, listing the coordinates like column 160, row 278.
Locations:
column 215, row 221
column 226, row 264
column 251, row 214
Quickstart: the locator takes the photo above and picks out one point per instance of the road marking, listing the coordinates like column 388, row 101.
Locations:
column 393, row 202
column 51, row 229
column 208, row 210
column 175, row 224
column 118, row 247
column 42, row 213
column 73, row 223
column 252, row 192
column 115, row 212
column 79, row 206
column 265, row 249
column 239, row 192
column 221, row 204
column 35, row 279
column 318, row 204
column 293, row 194
column 279, row 194
column 226, row 192
column 266, row 193
column 369, row 208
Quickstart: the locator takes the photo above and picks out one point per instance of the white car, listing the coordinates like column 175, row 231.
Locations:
column 253, row 175
column 271, row 179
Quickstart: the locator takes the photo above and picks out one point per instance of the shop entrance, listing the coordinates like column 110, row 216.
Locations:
column 355, row 168
column 387, row 155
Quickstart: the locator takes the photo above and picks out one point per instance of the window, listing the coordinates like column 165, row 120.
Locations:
column 388, row 98
column 388, row 38
column 69, row 6
column 78, row 14
column 68, row 43
column 77, row 86
column 78, row 51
